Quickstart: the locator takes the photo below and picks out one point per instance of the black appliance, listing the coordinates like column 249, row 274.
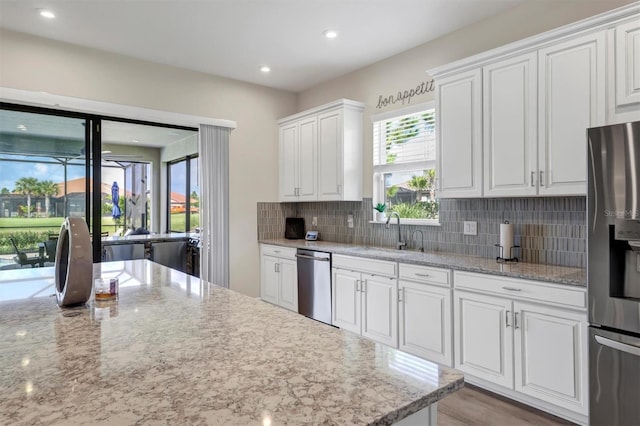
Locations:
column 294, row 228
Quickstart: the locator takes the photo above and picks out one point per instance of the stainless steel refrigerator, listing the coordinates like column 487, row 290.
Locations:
column 613, row 269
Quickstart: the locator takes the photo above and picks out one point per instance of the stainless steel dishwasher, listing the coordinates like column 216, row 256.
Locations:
column 314, row 284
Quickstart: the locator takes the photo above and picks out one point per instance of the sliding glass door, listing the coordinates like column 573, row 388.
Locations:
column 45, row 176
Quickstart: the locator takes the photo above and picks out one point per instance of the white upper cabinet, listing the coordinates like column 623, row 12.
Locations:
column 523, row 133
column 289, row 163
column 459, row 135
column 571, row 98
column 627, row 48
column 510, row 118
column 321, row 153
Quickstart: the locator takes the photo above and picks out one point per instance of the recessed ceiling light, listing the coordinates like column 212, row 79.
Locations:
column 135, row 141
column 46, row 13
column 330, row 34
column 265, row 69
column 22, row 127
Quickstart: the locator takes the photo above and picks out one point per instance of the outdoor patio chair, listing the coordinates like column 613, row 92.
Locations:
column 22, row 259
column 50, row 249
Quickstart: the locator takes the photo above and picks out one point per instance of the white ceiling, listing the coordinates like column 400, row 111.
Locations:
column 234, row 38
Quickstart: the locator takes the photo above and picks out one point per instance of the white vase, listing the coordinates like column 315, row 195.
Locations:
column 381, row 216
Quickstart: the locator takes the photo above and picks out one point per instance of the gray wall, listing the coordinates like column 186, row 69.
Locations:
column 549, row 230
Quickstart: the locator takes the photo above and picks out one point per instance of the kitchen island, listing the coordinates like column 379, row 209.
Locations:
column 176, row 350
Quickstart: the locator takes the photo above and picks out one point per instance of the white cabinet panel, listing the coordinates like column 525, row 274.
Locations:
column 288, row 289
column 289, row 162
column 308, row 145
column 269, row 279
column 627, row 63
column 345, row 286
column 549, row 355
column 571, row 98
column 330, row 155
column 425, row 321
column 484, row 341
column 459, row 135
column 380, row 309
column 510, row 119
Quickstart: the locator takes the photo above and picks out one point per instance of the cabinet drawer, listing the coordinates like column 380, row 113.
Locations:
column 515, row 288
column 371, row 266
column 278, row 251
column 425, row 274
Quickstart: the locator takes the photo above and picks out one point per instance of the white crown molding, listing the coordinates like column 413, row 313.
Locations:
column 88, row 106
column 347, row 103
column 593, row 23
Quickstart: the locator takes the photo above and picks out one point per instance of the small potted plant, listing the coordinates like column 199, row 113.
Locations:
column 380, row 208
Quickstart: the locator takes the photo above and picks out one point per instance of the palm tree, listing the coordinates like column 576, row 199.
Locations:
column 27, row 186
column 47, row 188
column 423, row 183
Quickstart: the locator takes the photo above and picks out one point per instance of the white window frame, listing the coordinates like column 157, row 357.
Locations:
column 380, row 170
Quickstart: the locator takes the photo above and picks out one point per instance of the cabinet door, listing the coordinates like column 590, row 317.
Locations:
column 288, row 285
column 459, row 132
column 345, row 304
column 330, row 156
column 571, row 98
column 269, row 279
column 380, row 309
column 308, row 138
column 628, row 63
column 425, row 321
column 483, row 337
column 510, row 123
column 289, row 162
column 550, row 355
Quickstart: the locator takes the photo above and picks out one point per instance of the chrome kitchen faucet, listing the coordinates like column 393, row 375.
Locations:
column 400, row 243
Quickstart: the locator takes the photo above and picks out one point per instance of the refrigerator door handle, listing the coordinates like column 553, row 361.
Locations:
column 630, row 349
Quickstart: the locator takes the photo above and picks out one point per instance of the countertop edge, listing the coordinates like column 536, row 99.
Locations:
column 389, row 255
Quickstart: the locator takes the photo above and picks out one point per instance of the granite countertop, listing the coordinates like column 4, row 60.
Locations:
column 533, row 271
column 175, row 350
column 156, row 238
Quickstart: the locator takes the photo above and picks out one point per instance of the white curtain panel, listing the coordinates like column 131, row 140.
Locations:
column 213, row 146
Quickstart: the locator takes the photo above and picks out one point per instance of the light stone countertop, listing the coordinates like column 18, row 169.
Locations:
column 175, row 350
column 532, row 271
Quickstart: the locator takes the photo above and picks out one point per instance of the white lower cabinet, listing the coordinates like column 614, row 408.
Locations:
column 508, row 333
column 424, row 314
column 279, row 276
column 484, row 341
column 364, row 293
column 549, row 360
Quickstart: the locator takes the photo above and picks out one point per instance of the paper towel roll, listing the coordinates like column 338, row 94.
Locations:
column 506, row 239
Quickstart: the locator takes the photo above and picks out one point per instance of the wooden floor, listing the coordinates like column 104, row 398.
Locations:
column 474, row 406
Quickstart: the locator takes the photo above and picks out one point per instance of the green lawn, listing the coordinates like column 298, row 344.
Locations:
column 29, row 232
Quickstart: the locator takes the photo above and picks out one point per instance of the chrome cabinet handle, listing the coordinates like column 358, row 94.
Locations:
column 532, row 173
column 515, row 322
column 358, row 285
column 400, row 292
column 511, row 288
column 422, row 275
column 541, row 177
column 304, row 256
column 339, row 189
column 507, row 317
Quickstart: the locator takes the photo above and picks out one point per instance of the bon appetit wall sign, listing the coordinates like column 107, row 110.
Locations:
column 404, row 96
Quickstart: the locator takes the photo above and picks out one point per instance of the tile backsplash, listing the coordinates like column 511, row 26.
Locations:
column 549, row 230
